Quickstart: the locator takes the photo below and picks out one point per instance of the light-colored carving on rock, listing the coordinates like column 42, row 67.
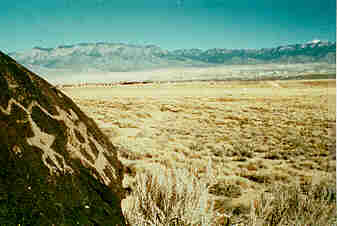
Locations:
column 11, row 82
column 74, row 144
column 40, row 139
column 101, row 162
column 7, row 111
column 73, row 115
column 44, row 141
column 17, row 150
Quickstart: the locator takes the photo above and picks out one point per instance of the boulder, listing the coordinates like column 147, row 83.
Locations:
column 57, row 167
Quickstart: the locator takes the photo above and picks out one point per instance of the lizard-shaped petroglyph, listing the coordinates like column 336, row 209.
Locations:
column 44, row 141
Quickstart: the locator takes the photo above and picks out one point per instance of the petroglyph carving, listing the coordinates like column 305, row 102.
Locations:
column 44, row 141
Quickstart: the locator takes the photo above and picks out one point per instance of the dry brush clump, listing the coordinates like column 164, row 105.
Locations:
column 308, row 204
column 168, row 197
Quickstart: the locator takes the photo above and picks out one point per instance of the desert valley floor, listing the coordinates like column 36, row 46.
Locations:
column 241, row 137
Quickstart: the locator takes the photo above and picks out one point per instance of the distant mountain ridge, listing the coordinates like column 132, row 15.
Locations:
column 103, row 56
column 297, row 53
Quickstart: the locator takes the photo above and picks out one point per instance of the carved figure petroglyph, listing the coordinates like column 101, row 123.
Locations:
column 78, row 147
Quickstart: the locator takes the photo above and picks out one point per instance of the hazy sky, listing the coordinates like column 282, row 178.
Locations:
column 171, row 24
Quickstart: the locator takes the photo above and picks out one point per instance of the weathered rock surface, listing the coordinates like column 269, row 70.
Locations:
column 57, row 167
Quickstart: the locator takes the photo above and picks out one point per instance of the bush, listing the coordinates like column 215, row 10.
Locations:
column 311, row 204
column 168, row 197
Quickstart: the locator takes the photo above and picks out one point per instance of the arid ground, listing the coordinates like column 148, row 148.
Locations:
column 240, row 137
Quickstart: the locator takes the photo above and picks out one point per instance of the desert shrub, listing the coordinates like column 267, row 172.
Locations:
column 255, row 176
column 243, row 149
column 224, row 188
column 168, row 197
column 310, row 204
column 273, row 155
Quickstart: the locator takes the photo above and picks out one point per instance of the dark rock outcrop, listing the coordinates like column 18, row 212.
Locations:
column 57, row 167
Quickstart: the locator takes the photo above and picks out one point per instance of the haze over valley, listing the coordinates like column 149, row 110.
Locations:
column 116, row 62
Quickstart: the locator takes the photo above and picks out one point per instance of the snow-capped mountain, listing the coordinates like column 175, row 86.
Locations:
column 125, row 57
column 315, row 51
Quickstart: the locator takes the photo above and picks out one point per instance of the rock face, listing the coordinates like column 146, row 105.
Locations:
column 57, row 167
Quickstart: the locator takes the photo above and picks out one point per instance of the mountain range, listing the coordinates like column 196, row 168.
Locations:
column 113, row 57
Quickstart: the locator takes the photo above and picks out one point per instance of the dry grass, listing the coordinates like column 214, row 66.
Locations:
column 309, row 204
column 168, row 197
column 255, row 135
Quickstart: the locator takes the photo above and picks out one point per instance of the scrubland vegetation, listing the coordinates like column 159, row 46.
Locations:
column 222, row 153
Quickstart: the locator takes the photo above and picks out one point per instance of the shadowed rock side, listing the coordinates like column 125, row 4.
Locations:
column 57, row 167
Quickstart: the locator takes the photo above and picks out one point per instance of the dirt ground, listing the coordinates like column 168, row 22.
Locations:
column 242, row 136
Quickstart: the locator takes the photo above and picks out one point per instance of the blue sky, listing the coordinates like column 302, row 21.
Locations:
column 170, row 24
